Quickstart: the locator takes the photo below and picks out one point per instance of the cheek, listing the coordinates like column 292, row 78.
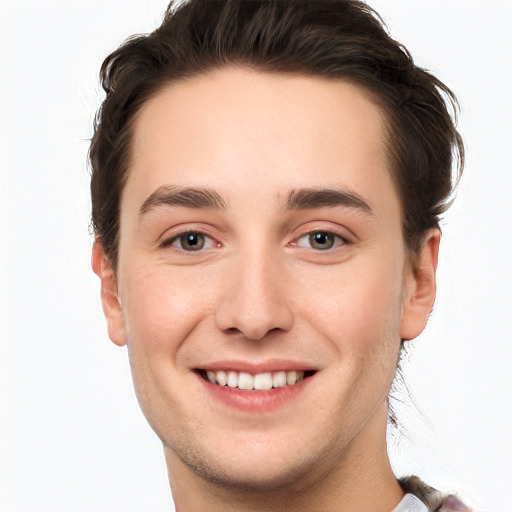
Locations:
column 359, row 308
column 162, row 307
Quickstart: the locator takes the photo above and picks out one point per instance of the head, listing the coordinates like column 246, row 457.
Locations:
column 336, row 40
column 267, row 183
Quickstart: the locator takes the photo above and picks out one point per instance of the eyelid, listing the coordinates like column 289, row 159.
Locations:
column 169, row 240
column 339, row 231
column 341, row 240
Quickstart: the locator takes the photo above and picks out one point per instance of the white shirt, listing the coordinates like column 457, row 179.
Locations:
column 410, row 503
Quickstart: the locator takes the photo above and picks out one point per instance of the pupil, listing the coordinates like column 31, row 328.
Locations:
column 321, row 240
column 193, row 241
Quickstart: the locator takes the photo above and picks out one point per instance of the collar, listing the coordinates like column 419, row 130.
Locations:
column 410, row 503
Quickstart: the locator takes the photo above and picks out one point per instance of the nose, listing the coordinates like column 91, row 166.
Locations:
column 254, row 300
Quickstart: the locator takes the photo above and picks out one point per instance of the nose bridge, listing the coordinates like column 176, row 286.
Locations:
column 254, row 299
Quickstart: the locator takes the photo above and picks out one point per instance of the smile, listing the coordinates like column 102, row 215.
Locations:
column 259, row 381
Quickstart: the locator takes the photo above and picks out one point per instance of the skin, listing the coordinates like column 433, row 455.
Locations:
column 260, row 292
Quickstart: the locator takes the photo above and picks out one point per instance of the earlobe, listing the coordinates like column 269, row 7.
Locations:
column 420, row 288
column 109, row 295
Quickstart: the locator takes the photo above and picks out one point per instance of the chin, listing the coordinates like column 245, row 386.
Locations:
column 247, row 477
column 251, row 464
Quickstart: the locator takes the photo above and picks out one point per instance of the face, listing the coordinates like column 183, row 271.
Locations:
column 262, row 285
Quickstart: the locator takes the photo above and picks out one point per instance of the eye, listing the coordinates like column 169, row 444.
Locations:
column 189, row 241
column 320, row 240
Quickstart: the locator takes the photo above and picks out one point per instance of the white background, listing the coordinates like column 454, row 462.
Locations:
column 72, row 437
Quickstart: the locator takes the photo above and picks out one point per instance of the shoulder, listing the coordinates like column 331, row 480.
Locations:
column 434, row 499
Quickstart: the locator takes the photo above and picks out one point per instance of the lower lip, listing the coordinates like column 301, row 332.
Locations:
column 255, row 401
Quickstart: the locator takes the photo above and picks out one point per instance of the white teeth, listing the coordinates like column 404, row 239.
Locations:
column 260, row 381
column 279, row 379
column 233, row 379
column 245, row 381
column 294, row 377
column 221, row 377
column 263, row 381
column 291, row 378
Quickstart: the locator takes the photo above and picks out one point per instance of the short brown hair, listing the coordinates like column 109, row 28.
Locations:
column 336, row 39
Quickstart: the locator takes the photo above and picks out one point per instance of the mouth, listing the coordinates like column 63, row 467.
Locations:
column 255, row 382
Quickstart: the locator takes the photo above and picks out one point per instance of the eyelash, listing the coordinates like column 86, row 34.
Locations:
column 175, row 239
column 337, row 240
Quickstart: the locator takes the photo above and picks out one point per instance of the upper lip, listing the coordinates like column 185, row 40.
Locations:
column 273, row 365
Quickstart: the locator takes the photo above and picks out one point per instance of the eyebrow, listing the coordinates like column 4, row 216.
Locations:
column 188, row 197
column 306, row 198
column 298, row 199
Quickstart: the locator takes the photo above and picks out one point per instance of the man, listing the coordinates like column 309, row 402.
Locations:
column 267, row 181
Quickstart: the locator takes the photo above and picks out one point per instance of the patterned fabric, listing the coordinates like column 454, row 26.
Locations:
column 431, row 497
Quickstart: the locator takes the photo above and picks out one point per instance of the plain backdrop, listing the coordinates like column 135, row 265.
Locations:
column 72, row 437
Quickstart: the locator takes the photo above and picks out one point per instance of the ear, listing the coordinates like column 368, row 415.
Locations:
column 109, row 295
column 420, row 287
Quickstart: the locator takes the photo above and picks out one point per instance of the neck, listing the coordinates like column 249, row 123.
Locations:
column 361, row 479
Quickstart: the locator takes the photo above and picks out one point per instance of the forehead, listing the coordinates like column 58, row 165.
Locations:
column 237, row 129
